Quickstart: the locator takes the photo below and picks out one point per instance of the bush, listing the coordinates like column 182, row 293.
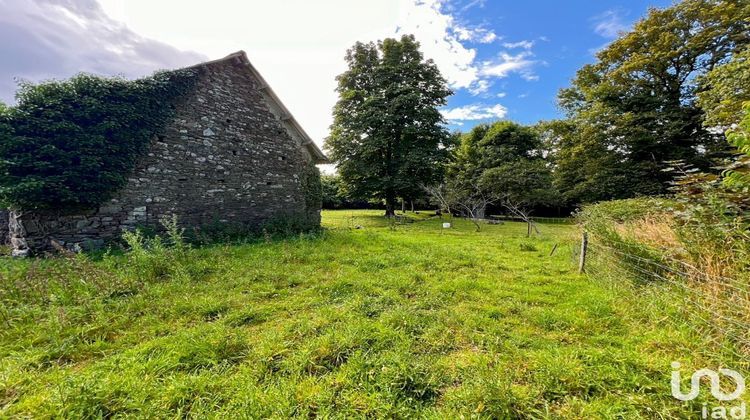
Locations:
column 71, row 144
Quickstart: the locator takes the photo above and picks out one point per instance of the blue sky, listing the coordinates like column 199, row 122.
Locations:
column 555, row 37
column 504, row 59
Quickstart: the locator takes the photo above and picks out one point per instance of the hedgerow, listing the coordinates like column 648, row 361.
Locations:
column 71, row 144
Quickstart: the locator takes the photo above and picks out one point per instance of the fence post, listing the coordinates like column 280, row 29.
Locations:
column 584, row 248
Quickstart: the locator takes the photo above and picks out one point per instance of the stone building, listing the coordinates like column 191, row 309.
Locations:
column 233, row 154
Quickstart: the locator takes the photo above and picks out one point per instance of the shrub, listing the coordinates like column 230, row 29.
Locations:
column 155, row 258
column 71, row 144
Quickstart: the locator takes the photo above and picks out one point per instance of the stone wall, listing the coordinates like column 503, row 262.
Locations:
column 227, row 158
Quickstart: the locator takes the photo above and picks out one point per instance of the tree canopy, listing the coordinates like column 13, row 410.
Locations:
column 635, row 109
column 504, row 160
column 724, row 90
column 388, row 135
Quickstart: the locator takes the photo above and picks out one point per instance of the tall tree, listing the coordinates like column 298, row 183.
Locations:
column 388, row 136
column 504, row 160
column 636, row 106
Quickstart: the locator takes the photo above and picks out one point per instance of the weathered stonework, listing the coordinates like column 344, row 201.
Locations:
column 233, row 154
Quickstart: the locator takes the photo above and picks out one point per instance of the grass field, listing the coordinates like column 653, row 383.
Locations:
column 368, row 318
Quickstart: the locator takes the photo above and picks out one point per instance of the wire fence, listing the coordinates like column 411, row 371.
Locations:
column 717, row 307
column 550, row 220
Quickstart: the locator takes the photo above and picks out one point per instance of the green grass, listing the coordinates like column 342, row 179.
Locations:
column 368, row 318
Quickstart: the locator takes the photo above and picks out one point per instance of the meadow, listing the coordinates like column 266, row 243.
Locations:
column 369, row 318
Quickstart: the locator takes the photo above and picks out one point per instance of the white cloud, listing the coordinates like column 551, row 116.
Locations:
column 474, row 112
column 480, row 87
column 441, row 40
column 609, row 24
column 478, row 3
column 298, row 53
column 501, row 94
column 507, row 64
column 47, row 39
column 488, row 37
column 527, row 45
column 479, row 34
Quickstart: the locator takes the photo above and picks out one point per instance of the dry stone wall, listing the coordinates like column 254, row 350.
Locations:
column 225, row 159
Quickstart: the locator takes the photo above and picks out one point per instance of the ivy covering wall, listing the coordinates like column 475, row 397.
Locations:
column 312, row 189
column 71, row 144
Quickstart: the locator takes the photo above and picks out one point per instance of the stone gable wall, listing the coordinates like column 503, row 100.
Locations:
column 226, row 158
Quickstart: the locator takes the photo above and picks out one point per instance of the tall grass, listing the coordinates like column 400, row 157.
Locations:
column 368, row 319
column 71, row 278
column 699, row 257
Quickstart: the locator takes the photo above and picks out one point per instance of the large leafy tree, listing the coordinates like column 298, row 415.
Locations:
column 585, row 168
column 388, row 136
column 504, row 160
column 635, row 109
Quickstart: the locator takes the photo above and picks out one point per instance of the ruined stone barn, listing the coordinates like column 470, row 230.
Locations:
column 233, row 154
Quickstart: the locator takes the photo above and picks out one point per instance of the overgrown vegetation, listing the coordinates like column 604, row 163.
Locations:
column 313, row 192
column 695, row 258
column 403, row 321
column 71, row 144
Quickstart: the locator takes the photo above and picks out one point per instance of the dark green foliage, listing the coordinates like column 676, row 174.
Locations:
column 331, row 191
column 635, row 108
column 312, row 188
column 387, row 133
column 71, row 144
column 504, row 160
column 587, row 169
column 334, row 194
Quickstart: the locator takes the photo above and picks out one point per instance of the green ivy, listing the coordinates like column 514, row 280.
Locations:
column 312, row 188
column 71, row 144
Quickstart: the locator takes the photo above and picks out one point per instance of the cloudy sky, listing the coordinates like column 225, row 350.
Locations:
column 503, row 58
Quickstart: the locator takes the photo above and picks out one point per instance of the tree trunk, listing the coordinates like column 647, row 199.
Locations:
column 390, row 204
column 412, row 205
column 403, row 206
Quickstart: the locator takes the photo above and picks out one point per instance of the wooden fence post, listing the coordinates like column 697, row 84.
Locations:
column 584, row 248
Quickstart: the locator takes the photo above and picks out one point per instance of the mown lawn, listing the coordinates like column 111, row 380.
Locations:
column 369, row 318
